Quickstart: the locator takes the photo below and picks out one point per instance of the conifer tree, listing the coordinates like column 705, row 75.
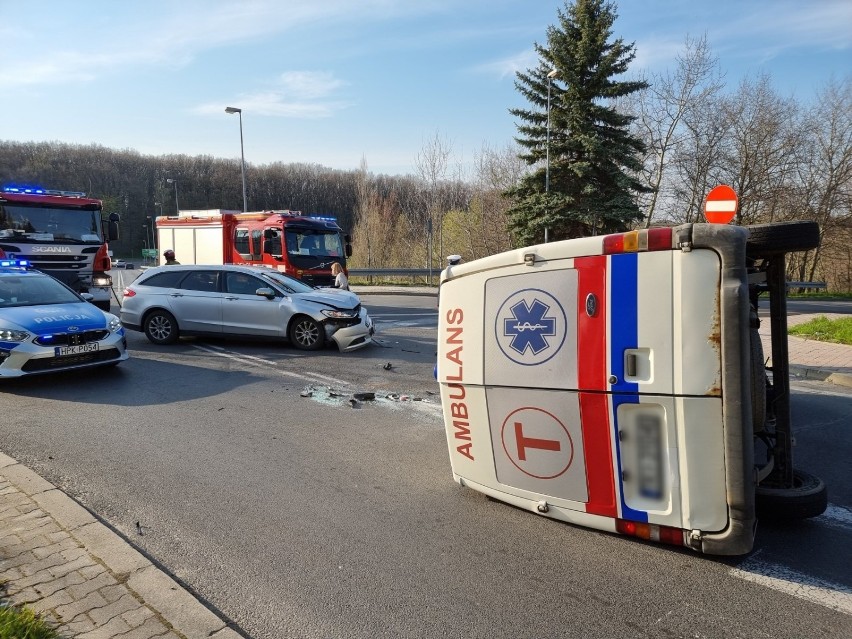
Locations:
column 593, row 157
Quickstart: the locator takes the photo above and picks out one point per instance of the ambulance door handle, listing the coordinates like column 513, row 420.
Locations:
column 631, row 364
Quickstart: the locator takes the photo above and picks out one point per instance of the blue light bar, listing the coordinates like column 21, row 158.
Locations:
column 23, row 189
column 34, row 190
column 323, row 218
column 15, row 263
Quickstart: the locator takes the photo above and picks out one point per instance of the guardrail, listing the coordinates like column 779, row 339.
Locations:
column 817, row 285
column 413, row 275
column 399, row 272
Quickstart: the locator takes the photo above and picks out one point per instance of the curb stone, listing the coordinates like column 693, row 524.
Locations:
column 64, row 563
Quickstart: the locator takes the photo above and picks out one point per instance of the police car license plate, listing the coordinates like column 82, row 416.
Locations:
column 60, row 351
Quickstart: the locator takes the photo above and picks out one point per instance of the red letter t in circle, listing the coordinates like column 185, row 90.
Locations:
column 532, row 442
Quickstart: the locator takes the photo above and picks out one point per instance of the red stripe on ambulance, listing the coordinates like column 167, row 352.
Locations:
column 592, row 376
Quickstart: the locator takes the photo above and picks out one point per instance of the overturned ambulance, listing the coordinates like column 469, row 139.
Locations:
column 618, row 382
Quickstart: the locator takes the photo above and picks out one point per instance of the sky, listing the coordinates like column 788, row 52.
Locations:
column 335, row 82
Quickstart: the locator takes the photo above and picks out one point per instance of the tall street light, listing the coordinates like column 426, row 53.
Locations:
column 233, row 110
column 177, row 206
column 553, row 73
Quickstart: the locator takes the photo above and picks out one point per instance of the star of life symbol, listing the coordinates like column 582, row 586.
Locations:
column 529, row 327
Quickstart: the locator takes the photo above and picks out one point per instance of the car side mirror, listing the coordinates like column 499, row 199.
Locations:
column 268, row 293
column 87, row 296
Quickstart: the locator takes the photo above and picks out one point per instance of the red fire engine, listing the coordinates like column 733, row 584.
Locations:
column 301, row 246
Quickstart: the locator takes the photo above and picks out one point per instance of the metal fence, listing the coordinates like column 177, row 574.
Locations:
column 394, row 275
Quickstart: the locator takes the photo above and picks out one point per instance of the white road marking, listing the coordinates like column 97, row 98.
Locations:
column 383, row 315
column 836, row 517
column 778, row 577
column 251, row 359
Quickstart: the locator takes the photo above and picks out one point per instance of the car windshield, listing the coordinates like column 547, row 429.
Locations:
column 29, row 290
column 313, row 242
column 46, row 224
column 289, row 284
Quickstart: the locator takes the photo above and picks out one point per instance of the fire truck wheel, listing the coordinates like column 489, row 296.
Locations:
column 161, row 327
column 807, row 498
column 781, row 237
column 306, row 333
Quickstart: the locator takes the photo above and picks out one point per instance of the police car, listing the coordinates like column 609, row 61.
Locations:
column 47, row 327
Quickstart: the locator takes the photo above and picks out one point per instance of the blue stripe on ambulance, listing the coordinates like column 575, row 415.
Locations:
column 623, row 335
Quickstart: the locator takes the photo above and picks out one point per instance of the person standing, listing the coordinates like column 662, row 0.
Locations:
column 340, row 279
column 170, row 257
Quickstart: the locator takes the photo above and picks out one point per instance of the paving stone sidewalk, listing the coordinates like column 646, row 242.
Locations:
column 60, row 561
column 810, row 358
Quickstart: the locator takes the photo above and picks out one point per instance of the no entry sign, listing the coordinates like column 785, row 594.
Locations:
column 720, row 207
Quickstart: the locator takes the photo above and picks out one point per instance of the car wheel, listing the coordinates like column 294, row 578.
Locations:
column 807, row 498
column 306, row 333
column 161, row 327
column 781, row 237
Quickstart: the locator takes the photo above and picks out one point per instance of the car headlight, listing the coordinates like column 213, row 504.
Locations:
column 13, row 335
column 101, row 280
column 114, row 324
column 339, row 314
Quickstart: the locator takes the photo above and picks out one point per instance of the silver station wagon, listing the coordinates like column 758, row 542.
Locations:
column 242, row 302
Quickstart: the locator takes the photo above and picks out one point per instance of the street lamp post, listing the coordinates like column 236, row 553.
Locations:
column 177, row 206
column 151, row 220
column 553, row 73
column 233, row 110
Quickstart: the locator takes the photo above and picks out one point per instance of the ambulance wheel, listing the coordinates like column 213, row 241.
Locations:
column 807, row 498
column 161, row 327
column 306, row 333
column 758, row 383
column 781, row 237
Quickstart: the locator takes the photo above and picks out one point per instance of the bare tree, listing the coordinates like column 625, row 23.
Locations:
column 662, row 107
column 696, row 159
column 823, row 188
column 431, row 164
column 759, row 151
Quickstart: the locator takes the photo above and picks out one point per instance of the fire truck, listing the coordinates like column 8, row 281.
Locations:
column 60, row 233
column 298, row 245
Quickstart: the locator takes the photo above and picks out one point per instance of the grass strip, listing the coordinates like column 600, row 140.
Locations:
column 838, row 331
column 19, row 622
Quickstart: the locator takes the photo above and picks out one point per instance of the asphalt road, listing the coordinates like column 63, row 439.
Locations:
column 304, row 517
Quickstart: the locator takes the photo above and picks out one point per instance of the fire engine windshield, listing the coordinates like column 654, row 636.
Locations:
column 46, row 224
column 306, row 247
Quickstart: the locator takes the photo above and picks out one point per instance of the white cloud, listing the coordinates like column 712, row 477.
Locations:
column 508, row 66
column 296, row 94
column 160, row 33
column 653, row 54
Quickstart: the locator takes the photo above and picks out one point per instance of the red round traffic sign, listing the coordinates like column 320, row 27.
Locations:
column 721, row 204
